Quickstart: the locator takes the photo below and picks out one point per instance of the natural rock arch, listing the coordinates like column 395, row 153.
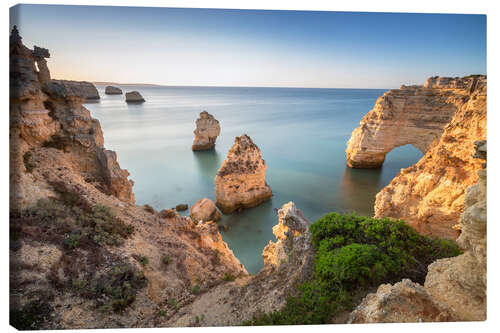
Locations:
column 413, row 115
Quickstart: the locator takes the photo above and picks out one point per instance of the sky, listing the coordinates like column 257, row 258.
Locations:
column 256, row 48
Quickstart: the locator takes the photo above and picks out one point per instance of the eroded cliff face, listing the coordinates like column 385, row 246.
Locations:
column 430, row 194
column 47, row 123
column 241, row 180
column 454, row 289
column 287, row 263
column 74, row 226
column 206, row 132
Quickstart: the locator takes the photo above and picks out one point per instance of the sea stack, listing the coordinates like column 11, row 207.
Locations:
column 241, row 180
column 110, row 90
column 206, row 132
column 134, row 97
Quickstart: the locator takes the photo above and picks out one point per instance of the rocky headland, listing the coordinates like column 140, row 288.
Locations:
column 82, row 254
column 206, row 132
column 241, row 180
column 111, row 90
column 442, row 118
column 455, row 288
column 134, row 97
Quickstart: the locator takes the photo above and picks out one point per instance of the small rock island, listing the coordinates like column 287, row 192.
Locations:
column 134, row 97
column 241, row 180
column 110, row 90
column 206, row 132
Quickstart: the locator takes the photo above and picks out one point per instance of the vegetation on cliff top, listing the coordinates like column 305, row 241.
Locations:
column 356, row 253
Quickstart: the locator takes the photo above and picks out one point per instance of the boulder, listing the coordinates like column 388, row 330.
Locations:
column 204, row 210
column 110, row 90
column 134, row 97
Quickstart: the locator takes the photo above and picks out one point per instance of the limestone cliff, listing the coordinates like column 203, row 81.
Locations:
column 48, row 121
column 442, row 118
column 82, row 255
column 83, row 89
column 134, row 97
column 206, row 132
column 454, row 288
column 241, row 180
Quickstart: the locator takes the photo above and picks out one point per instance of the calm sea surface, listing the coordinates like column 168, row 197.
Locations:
column 302, row 134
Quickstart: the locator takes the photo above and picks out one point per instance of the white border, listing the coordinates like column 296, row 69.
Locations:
column 420, row 6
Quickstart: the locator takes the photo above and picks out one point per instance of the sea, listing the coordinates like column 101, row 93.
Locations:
column 301, row 132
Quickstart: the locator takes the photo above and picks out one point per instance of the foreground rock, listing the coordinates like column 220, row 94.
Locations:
column 454, row 289
column 405, row 302
column 287, row 263
column 110, row 90
column 206, row 132
column 443, row 118
column 241, row 180
column 57, row 155
column 134, row 97
column 204, row 210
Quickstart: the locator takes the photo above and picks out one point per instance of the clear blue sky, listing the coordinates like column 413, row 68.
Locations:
column 176, row 46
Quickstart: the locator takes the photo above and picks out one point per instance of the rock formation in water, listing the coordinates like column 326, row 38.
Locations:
column 110, row 90
column 83, row 89
column 287, row 263
column 206, row 132
column 241, row 180
column 443, row 118
column 82, row 254
column 454, row 288
column 134, row 97
column 204, row 210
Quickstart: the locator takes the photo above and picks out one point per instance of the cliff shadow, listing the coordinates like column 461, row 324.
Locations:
column 359, row 188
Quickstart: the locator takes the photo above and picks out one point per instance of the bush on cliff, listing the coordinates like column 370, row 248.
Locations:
column 353, row 255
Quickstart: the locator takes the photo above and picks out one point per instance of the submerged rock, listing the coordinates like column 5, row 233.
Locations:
column 204, row 210
column 134, row 97
column 110, row 90
column 181, row 207
column 206, row 132
column 241, row 180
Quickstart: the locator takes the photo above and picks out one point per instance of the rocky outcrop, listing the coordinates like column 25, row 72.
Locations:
column 292, row 234
column 241, row 180
column 454, row 288
column 65, row 89
column 287, row 263
column 204, row 210
column 206, row 132
column 134, row 97
column 57, row 155
column 430, row 194
column 110, row 90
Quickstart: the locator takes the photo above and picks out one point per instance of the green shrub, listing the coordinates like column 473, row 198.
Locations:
column 196, row 289
column 162, row 313
column 228, row 277
column 166, row 259
column 354, row 253
column 71, row 241
column 172, row 302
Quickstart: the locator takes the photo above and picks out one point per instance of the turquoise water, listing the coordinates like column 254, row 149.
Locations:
column 302, row 134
